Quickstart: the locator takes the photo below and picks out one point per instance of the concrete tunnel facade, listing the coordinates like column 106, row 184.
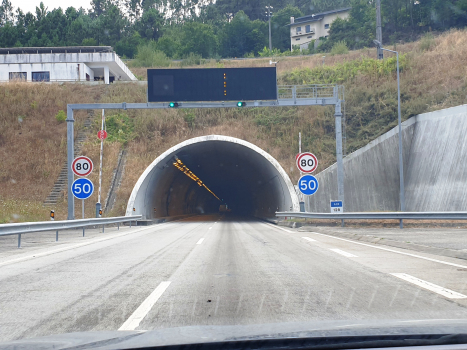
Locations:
column 243, row 176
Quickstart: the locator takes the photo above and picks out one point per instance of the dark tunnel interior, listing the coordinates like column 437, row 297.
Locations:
column 246, row 182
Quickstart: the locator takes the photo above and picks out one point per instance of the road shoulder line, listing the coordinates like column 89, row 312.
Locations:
column 430, row 286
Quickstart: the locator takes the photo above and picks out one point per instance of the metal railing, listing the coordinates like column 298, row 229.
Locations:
column 443, row 215
column 288, row 92
column 40, row 226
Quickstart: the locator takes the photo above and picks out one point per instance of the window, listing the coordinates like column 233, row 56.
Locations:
column 307, row 28
column 18, row 76
column 297, row 39
column 309, row 36
column 40, row 76
column 298, row 29
column 326, row 26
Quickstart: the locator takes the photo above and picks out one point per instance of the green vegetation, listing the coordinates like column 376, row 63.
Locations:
column 120, row 128
column 222, row 28
column 339, row 48
column 60, row 116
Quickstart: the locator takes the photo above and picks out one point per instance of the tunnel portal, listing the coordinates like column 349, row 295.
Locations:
column 241, row 175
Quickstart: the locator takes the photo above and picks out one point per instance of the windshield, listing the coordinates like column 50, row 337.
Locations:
column 278, row 166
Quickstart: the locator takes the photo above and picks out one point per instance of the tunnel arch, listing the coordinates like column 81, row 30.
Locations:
column 243, row 176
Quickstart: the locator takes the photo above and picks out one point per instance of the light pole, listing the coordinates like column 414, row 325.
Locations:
column 269, row 8
column 401, row 160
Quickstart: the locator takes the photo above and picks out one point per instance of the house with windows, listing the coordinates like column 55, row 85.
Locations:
column 313, row 27
column 62, row 64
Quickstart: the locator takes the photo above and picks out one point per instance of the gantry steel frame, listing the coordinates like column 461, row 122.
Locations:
column 288, row 96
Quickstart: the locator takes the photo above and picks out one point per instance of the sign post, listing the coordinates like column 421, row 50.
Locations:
column 102, row 135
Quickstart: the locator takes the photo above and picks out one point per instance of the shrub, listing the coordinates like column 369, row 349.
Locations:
column 61, row 116
column 339, row 48
column 148, row 56
column 427, row 42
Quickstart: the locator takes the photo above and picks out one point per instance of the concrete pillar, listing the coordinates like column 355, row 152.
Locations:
column 106, row 75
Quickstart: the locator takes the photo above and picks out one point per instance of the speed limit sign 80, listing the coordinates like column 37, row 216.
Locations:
column 82, row 166
column 307, row 162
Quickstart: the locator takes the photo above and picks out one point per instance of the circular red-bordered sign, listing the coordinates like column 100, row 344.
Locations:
column 307, row 162
column 82, row 166
column 102, row 135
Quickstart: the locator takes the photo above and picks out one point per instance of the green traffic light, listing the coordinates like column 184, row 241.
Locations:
column 240, row 104
column 171, row 104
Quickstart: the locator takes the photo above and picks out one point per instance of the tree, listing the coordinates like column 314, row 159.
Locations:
column 150, row 25
column 6, row 13
column 198, row 38
column 279, row 29
column 242, row 36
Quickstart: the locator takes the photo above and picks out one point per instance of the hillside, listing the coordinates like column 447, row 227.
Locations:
column 33, row 141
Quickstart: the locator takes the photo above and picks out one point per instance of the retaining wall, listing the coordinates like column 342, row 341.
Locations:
column 435, row 168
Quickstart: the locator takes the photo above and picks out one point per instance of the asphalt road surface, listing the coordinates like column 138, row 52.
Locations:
column 215, row 270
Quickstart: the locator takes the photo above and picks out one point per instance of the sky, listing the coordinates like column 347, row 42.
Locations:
column 30, row 5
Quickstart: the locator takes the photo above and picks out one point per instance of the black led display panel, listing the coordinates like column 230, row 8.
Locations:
column 212, row 84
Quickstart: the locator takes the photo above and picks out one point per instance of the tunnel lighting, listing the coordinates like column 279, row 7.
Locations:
column 184, row 169
column 173, row 104
column 241, row 104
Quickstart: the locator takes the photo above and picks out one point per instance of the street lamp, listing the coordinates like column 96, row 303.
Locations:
column 401, row 164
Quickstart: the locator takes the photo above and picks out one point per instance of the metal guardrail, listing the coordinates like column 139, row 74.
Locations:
column 40, row 226
column 443, row 215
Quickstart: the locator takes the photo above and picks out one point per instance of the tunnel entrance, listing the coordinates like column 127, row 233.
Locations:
column 222, row 171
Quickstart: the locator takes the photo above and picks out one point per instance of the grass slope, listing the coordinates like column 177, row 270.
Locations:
column 33, row 142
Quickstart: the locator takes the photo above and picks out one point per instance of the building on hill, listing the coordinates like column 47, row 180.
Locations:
column 61, row 64
column 313, row 27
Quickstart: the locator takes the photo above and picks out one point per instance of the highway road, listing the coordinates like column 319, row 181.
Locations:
column 216, row 270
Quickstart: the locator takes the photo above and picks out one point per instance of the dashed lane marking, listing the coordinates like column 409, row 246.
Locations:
column 341, row 252
column 309, row 239
column 140, row 313
column 200, row 241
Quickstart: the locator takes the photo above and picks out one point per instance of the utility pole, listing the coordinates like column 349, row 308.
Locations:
column 379, row 32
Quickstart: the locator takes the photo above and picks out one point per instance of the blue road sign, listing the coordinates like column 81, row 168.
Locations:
column 308, row 185
column 82, row 188
column 337, row 207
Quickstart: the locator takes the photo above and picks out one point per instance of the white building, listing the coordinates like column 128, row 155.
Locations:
column 58, row 64
column 305, row 29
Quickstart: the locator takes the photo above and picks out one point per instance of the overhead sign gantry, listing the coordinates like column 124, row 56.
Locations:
column 220, row 88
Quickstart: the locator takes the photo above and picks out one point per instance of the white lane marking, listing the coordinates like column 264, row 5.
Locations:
column 59, row 250
column 393, row 251
column 200, row 241
column 430, row 286
column 309, row 239
column 341, row 252
column 210, row 227
column 146, row 306
column 280, row 228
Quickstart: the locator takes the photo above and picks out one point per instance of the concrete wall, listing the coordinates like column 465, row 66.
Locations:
column 63, row 66
column 435, row 156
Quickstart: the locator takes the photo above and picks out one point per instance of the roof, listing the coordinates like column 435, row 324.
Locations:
column 64, row 49
column 317, row 16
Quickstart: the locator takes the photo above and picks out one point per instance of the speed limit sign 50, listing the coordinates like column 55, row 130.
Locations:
column 307, row 162
column 82, row 166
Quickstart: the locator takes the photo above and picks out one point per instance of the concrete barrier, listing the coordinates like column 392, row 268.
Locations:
column 435, row 168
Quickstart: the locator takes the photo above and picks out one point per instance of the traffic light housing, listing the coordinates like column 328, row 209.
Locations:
column 241, row 104
column 173, row 104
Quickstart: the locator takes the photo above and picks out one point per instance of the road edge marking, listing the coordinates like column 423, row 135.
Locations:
column 200, row 241
column 392, row 250
column 140, row 313
column 278, row 227
column 448, row 293
column 309, row 239
column 63, row 249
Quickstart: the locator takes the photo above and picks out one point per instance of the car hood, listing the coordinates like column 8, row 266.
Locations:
column 369, row 330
